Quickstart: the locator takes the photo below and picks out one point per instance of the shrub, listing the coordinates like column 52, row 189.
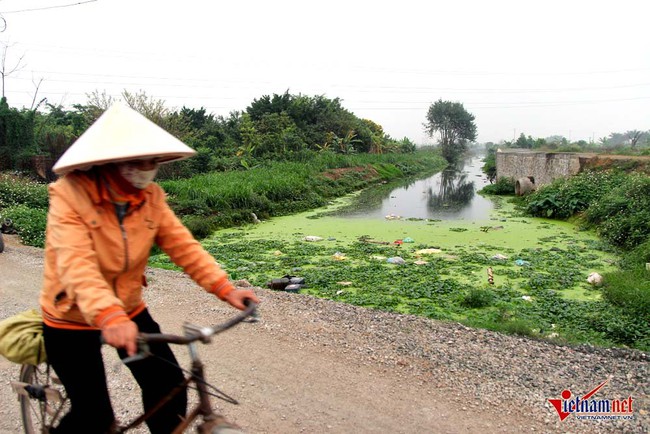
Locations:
column 638, row 256
column 17, row 190
column 200, row 226
column 29, row 223
column 566, row 197
column 630, row 290
column 477, row 298
column 503, row 186
column 622, row 214
column 517, row 327
column 621, row 327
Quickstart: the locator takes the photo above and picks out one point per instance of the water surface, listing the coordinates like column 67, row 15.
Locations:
column 447, row 195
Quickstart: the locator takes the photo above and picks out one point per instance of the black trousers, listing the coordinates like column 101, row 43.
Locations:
column 76, row 358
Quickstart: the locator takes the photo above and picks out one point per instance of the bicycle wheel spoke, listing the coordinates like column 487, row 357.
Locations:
column 45, row 401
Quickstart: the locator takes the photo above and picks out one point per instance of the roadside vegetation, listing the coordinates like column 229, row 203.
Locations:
column 615, row 203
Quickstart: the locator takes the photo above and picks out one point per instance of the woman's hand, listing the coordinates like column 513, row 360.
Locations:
column 237, row 297
column 122, row 335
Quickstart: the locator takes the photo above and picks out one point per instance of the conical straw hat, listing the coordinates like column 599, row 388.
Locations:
column 121, row 134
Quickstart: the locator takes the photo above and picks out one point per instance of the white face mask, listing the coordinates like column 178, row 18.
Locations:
column 140, row 179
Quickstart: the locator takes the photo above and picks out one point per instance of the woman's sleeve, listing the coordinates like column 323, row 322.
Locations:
column 186, row 252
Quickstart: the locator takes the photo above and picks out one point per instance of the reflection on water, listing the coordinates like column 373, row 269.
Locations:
column 448, row 195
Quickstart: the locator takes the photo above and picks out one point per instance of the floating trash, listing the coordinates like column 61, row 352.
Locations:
column 499, row 257
column 427, row 251
column 338, row 256
column 527, row 298
column 522, row 263
column 490, row 275
column 397, row 260
column 287, row 283
column 313, row 238
column 420, row 262
column 408, row 240
column 595, row 279
column 346, row 283
column 393, row 217
column 277, row 253
column 294, row 287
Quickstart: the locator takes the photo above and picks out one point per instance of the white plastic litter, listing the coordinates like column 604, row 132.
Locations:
column 595, row 279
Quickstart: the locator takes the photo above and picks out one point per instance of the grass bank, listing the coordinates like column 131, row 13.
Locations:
column 225, row 199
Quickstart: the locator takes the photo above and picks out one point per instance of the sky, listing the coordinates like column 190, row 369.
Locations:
column 575, row 68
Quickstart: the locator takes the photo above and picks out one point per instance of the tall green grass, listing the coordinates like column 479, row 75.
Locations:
column 222, row 199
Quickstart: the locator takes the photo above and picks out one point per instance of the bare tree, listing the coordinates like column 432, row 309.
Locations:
column 150, row 107
column 6, row 71
column 35, row 106
column 97, row 104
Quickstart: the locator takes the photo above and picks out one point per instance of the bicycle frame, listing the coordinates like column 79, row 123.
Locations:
column 211, row 420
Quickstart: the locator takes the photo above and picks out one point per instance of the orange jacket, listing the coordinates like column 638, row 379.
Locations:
column 94, row 267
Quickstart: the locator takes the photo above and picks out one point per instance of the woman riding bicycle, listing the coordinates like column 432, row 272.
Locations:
column 105, row 215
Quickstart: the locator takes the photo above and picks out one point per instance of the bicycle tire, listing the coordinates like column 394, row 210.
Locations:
column 45, row 401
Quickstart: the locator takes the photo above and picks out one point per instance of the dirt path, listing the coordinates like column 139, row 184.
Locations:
column 316, row 366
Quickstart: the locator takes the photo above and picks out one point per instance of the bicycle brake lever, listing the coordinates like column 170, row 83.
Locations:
column 142, row 354
column 255, row 316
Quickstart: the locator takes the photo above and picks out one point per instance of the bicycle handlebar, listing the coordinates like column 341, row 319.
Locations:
column 196, row 333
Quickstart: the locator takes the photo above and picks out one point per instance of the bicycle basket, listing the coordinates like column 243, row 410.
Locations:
column 21, row 338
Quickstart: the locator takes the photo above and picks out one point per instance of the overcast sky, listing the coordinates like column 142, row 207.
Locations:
column 575, row 68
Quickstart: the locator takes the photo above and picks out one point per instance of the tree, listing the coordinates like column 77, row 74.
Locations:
column 455, row 126
column 525, row 142
column 633, row 136
column 150, row 107
column 6, row 71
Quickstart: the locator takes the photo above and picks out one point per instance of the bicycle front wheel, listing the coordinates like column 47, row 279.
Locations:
column 42, row 399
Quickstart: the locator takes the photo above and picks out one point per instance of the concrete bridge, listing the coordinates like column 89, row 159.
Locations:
column 532, row 169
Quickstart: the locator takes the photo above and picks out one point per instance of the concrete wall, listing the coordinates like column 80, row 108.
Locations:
column 543, row 166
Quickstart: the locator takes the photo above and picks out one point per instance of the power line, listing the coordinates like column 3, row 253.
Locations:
column 367, row 89
column 471, row 105
column 50, row 7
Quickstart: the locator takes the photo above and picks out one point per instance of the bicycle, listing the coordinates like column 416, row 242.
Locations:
column 43, row 400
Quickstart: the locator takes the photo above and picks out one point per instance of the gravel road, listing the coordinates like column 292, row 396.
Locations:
column 316, row 366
